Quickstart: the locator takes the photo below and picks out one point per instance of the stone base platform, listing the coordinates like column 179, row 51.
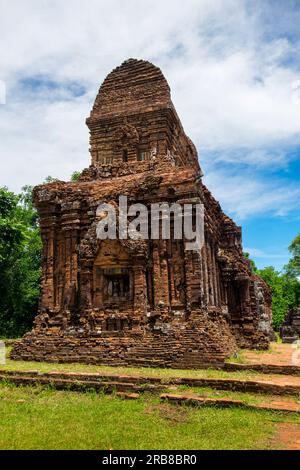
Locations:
column 190, row 345
column 130, row 387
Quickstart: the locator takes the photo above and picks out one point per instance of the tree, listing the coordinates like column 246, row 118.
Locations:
column 50, row 179
column 252, row 264
column 285, row 286
column 285, row 293
column 11, row 230
column 75, row 176
column 293, row 266
column 20, row 249
column 20, row 260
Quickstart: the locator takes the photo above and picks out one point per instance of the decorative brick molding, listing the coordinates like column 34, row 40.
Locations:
column 135, row 301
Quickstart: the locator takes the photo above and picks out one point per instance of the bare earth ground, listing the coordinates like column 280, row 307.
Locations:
column 278, row 354
column 287, row 436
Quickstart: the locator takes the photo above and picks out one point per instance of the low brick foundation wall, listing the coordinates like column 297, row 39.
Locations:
column 192, row 346
column 129, row 383
column 263, row 368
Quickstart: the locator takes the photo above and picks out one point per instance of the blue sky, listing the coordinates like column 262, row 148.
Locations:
column 234, row 71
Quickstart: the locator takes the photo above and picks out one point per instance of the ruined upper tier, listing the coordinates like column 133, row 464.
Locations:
column 135, row 86
column 149, row 302
column 133, row 123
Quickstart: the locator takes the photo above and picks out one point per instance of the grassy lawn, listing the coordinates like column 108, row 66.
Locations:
column 241, row 356
column 42, row 418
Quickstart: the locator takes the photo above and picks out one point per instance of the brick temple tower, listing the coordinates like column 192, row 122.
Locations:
column 140, row 302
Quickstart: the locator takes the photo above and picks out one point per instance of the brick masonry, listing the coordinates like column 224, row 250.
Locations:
column 129, row 383
column 290, row 330
column 140, row 302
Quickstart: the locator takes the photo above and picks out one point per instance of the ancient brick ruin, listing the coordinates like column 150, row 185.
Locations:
column 140, row 302
column 290, row 329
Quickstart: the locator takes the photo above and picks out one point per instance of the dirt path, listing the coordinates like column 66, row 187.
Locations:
column 280, row 354
column 276, row 379
column 287, row 436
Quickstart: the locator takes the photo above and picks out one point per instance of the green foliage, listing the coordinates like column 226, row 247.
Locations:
column 20, row 248
column 252, row 264
column 285, row 286
column 285, row 292
column 20, row 260
column 8, row 202
column 293, row 266
column 295, row 246
column 11, row 231
column 75, row 176
column 50, row 179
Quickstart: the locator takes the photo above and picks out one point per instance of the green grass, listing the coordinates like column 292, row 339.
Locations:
column 237, row 358
column 42, row 418
column 241, row 356
column 278, row 339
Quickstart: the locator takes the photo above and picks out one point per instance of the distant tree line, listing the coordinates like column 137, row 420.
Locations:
column 20, row 260
column 285, row 285
column 20, row 266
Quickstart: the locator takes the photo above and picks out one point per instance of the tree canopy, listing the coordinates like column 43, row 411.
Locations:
column 20, row 249
column 293, row 266
column 20, row 260
column 285, row 293
column 285, row 285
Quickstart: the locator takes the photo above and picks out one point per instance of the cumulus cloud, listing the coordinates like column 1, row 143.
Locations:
column 261, row 254
column 230, row 73
column 243, row 195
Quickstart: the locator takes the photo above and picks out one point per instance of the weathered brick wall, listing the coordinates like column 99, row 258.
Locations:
column 177, row 344
column 290, row 330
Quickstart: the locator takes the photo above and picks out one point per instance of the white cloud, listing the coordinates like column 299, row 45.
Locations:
column 2, row 92
column 260, row 158
column 257, row 253
column 232, row 87
column 244, row 196
column 238, row 101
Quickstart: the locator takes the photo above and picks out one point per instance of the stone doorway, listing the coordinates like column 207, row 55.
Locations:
column 117, row 287
column 113, row 288
column 113, row 278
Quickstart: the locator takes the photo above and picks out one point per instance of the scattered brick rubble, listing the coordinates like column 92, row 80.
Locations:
column 131, row 383
column 133, row 302
column 132, row 387
column 194, row 400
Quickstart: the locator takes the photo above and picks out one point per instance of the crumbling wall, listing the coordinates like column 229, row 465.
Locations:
column 290, row 330
column 147, row 302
